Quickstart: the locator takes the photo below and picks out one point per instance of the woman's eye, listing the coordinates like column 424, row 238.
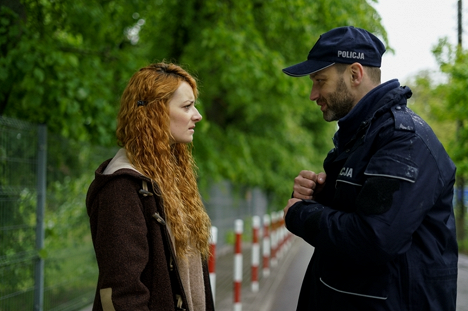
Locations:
column 189, row 104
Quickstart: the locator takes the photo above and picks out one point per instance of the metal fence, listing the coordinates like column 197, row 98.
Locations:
column 226, row 202
column 18, row 197
column 47, row 260
column 46, row 256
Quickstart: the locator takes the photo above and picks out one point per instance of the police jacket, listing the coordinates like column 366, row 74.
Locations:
column 383, row 226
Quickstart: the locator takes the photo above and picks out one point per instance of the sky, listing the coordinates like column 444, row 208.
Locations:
column 414, row 28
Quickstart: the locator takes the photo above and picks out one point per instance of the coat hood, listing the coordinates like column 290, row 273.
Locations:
column 117, row 166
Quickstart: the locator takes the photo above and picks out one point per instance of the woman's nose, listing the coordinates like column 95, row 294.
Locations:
column 197, row 116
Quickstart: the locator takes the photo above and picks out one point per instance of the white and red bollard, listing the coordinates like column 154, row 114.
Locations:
column 239, row 227
column 255, row 252
column 212, row 260
column 266, row 245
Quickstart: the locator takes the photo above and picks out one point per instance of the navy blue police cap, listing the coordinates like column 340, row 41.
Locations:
column 344, row 45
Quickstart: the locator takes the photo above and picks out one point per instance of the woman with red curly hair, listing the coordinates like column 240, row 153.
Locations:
column 149, row 227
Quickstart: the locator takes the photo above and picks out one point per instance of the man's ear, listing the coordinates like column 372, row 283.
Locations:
column 356, row 72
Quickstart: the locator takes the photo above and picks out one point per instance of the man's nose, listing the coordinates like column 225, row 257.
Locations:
column 314, row 94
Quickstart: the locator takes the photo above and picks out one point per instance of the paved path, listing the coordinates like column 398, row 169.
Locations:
column 263, row 300
column 462, row 295
column 287, row 293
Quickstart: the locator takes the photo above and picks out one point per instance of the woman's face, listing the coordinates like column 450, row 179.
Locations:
column 183, row 114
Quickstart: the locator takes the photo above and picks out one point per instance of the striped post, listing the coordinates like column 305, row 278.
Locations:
column 266, row 245
column 239, row 227
column 255, row 252
column 212, row 260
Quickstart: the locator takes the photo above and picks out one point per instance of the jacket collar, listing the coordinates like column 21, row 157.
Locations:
column 380, row 98
column 119, row 161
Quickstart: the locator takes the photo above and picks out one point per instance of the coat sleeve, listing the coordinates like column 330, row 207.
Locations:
column 121, row 245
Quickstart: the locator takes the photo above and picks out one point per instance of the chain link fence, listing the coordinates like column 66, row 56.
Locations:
column 47, row 259
column 46, row 256
column 18, row 193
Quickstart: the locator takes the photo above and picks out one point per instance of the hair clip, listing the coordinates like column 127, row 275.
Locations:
column 141, row 103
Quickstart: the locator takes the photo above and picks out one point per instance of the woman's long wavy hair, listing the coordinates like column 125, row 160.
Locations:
column 143, row 129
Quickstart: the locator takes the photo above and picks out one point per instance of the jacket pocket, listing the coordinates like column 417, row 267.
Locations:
column 392, row 166
column 352, row 293
column 106, row 299
column 342, row 275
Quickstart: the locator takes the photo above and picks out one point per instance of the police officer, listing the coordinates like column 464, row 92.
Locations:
column 381, row 217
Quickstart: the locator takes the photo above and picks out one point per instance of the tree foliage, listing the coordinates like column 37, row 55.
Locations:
column 443, row 99
column 444, row 102
column 66, row 63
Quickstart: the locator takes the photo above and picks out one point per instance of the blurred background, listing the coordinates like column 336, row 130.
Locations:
column 64, row 65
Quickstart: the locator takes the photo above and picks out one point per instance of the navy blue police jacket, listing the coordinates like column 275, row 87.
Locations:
column 383, row 226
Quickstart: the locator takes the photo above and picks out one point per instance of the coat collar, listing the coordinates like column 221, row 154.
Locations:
column 380, row 98
column 119, row 161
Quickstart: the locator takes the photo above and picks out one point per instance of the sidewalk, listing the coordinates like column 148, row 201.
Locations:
column 462, row 288
column 264, row 298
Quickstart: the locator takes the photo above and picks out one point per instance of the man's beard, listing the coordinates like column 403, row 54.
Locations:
column 339, row 103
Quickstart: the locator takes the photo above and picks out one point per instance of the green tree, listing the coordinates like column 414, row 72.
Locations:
column 66, row 63
column 260, row 128
column 444, row 102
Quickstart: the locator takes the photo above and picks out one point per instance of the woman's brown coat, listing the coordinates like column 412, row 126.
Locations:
column 137, row 270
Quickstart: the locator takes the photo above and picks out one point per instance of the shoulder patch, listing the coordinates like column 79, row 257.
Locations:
column 403, row 119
